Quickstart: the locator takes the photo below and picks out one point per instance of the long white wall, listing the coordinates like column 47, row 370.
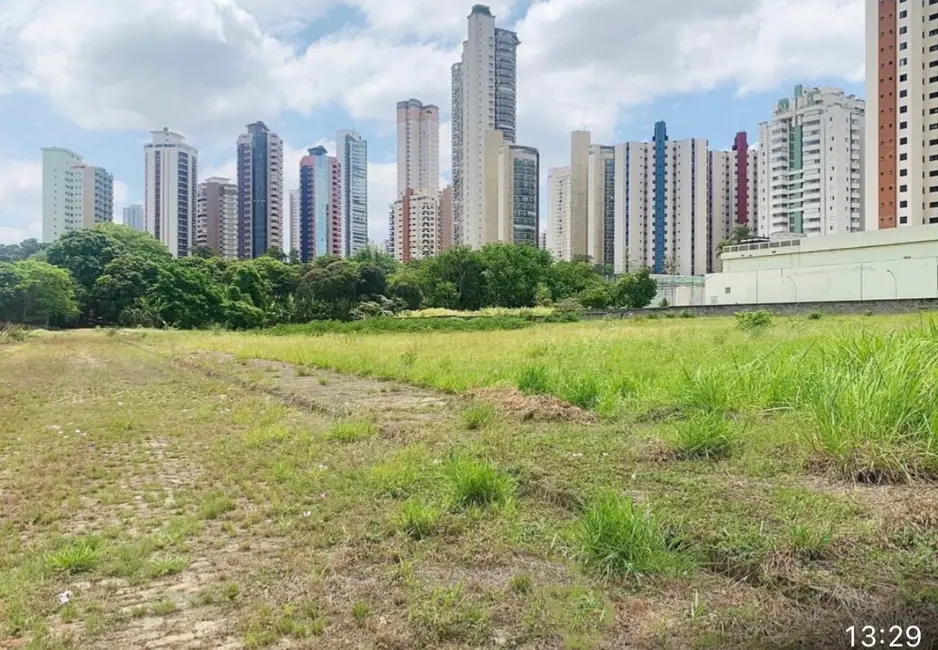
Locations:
column 916, row 278
column 873, row 265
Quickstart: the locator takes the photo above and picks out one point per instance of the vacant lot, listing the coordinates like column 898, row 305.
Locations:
column 648, row 484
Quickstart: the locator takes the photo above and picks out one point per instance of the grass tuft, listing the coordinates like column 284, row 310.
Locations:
column 351, row 431
column 77, row 556
column 703, row 435
column 533, row 380
column 474, row 482
column 418, row 520
column 616, row 537
column 478, row 416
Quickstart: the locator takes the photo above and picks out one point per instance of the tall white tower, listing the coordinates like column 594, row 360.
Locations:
column 171, row 183
column 484, row 99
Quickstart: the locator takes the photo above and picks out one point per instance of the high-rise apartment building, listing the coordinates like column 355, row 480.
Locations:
column 901, row 138
column 416, row 225
column 321, row 221
column 809, row 171
column 577, row 235
column 511, row 190
column 484, row 99
column 171, row 181
column 352, row 154
column 97, row 195
column 61, row 183
column 133, row 217
column 600, row 205
column 74, row 195
column 217, row 216
column 661, row 205
column 294, row 220
column 733, row 189
column 446, row 218
column 418, row 146
column 558, row 212
column 260, row 191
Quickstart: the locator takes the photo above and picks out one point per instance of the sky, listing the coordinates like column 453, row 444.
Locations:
column 96, row 76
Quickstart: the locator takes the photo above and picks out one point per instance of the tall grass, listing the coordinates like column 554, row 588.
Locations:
column 616, row 537
column 864, row 386
column 873, row 402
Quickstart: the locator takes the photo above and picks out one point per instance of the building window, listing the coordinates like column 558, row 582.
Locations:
column 903, row 188
column 903, row 93
column 903, row 172
column 903, row 125
column 903, row 109
column 903, row 204
column 903, row 141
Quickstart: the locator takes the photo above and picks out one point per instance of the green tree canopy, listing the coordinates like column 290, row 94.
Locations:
column 512, row 274
column 36, row 293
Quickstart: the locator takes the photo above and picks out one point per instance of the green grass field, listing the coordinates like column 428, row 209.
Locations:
column 686, row 483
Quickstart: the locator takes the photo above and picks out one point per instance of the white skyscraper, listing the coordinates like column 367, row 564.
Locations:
column 74, row 195
column 558, row 212
column 352, row 153
column 171, row 182
column 809, row 179
column 294, row 220
column 418, row 147
column 661, row 205
column 260, row 191
column 484, row 99
column 133, row 217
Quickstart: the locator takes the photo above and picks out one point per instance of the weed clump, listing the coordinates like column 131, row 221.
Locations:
column 478, row 416
column 474, row 482
column 418, row 520
column 873, row 406
column 617, row 538
column 350, row 431
column 77, row 556
column 703, row 436
column 533, row 380
column 752, row 320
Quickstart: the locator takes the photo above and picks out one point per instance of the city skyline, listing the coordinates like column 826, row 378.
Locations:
column 691, row 114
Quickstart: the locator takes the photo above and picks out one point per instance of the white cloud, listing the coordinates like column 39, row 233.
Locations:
column 207, row 67
column 20, row 201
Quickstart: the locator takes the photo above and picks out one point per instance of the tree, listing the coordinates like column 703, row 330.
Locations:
column 125, row 280
column 84, row 253
column 203, row 251
column 462, row 268
column 386, row 262
column 36, row 293
column 329, row 292
column 567, row 279
column 135, row 242
column 740, row 233
column 404, row 287
column 24, row 250
column 596, row 296
column 512, row 274
column 276, row 253
column 634, row 290
column 372, row 280
column 187, row 296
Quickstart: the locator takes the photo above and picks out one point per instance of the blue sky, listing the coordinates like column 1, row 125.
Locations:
column 307, row 68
